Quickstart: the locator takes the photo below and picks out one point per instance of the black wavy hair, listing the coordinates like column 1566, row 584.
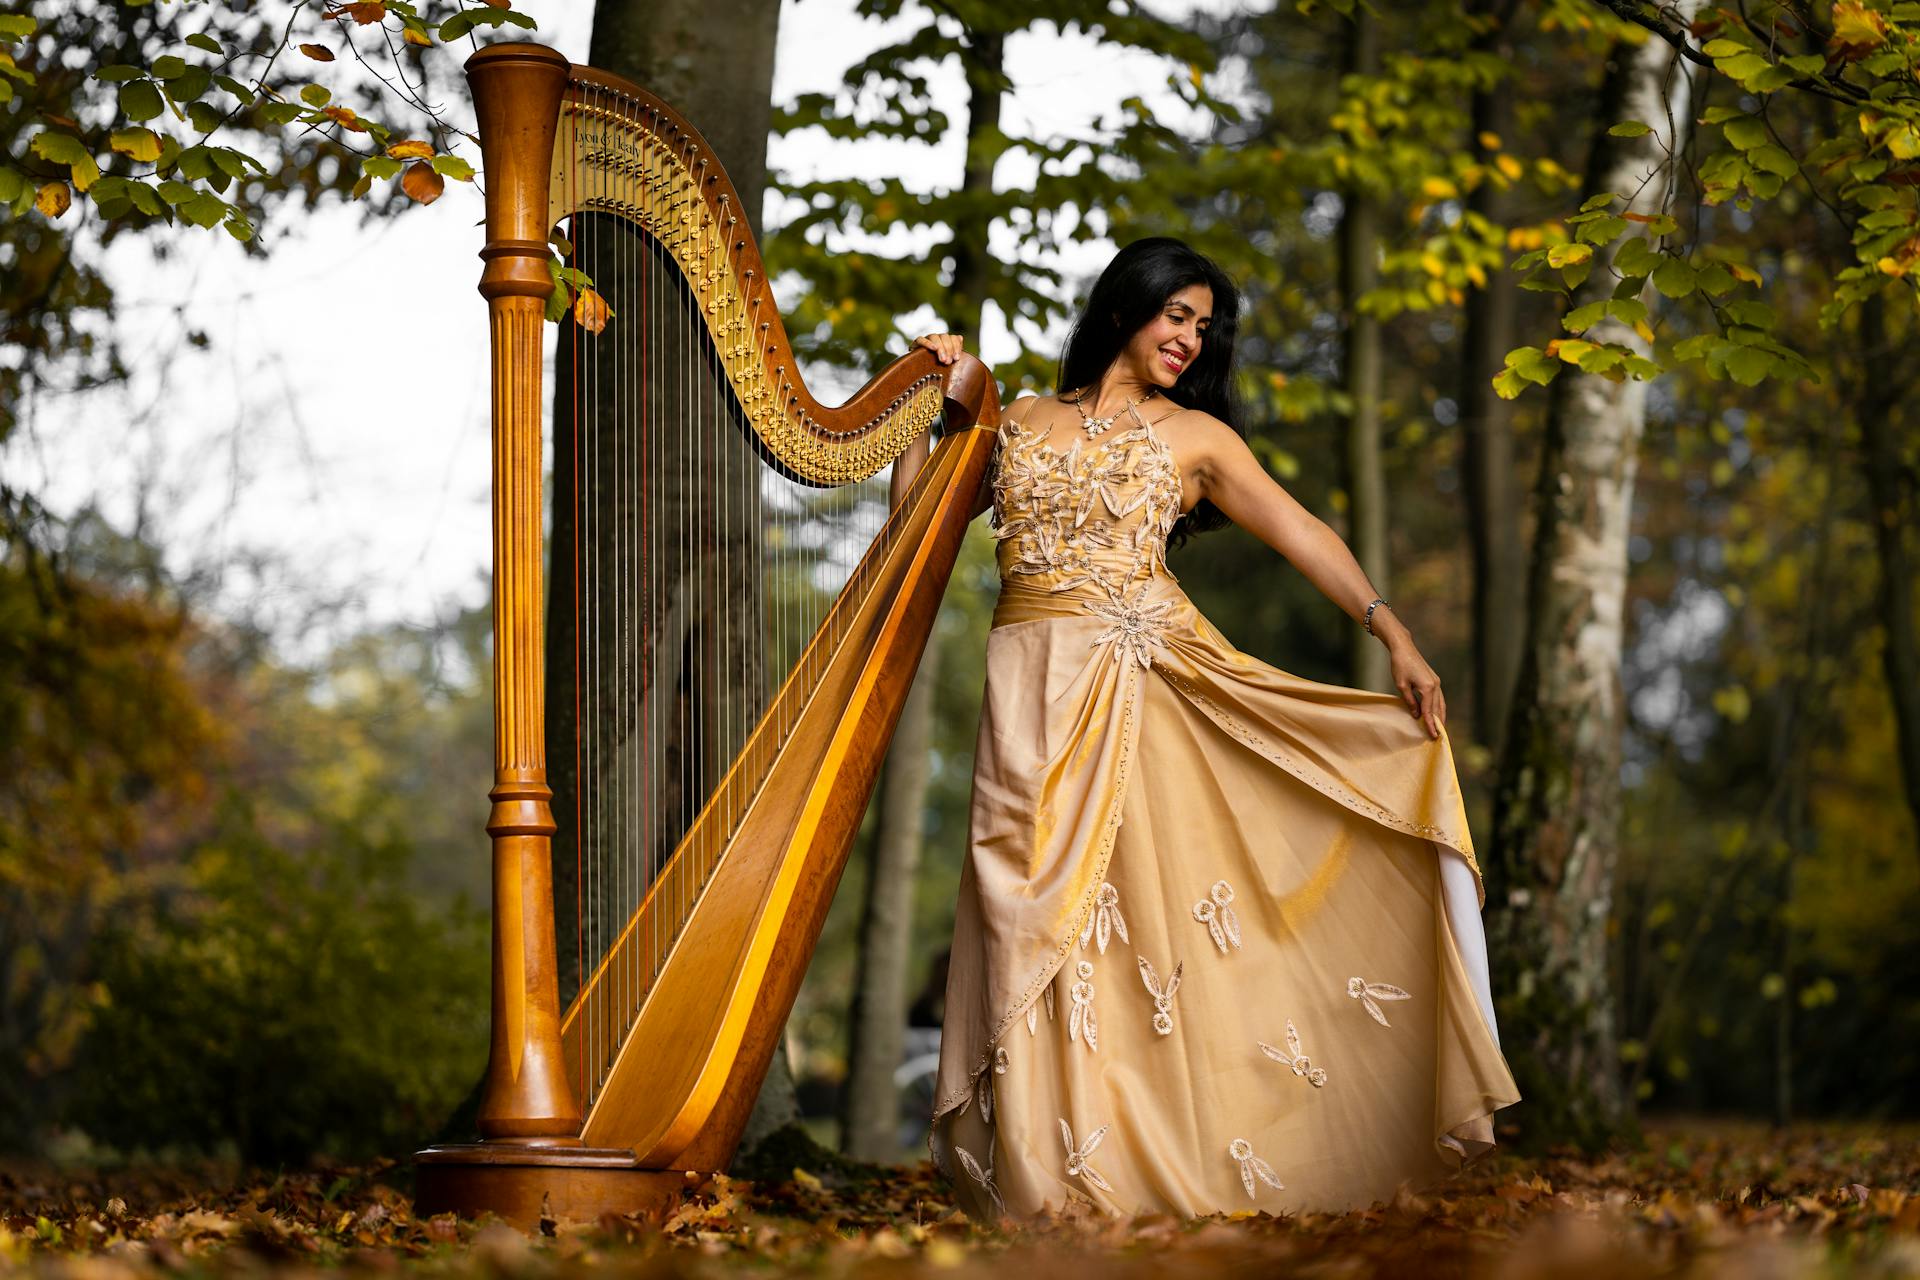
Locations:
column 1128, row 295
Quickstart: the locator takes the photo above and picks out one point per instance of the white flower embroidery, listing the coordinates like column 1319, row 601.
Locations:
column 982, row 1176
column 1162, row 996
column 1033, row 1010
column 1291, row 1056
column 1134, row 626
column 1081, row 1024
column 1367, row 993
column 1251, row 1166
column 987, row 1086
column 1104, row 920
column 1077, row 1166
column 1216, row 912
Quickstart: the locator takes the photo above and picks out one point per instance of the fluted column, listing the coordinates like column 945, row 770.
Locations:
column 517, row 90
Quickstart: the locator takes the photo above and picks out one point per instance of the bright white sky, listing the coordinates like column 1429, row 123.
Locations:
column 337, row 425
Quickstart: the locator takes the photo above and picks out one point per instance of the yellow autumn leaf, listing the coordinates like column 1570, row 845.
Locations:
column 53, row 199
column 590, row 311
column 1477, row 274
column 1644, row 329
column 1742, row 272
column 136, row 143
column 1857, row 30
column 411, row 149
column 1489, row 140
column 1565, row 255
column 416, row 37
column 1437, row 188
column 318, row 52
column 1509, row 166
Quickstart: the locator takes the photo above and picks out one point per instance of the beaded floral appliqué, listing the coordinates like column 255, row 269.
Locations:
column 1081, row 1024
column 1134, row 627
column 1162, row 996
column 1077, row 1166
column 987, row 1085
column 1370, row 993
column 1096, row 516
column 1105, row 921
column 1033, row 1010
column 1293, row 1057
column 1251, row 1166
column 1216, row 912
column 982, row 1176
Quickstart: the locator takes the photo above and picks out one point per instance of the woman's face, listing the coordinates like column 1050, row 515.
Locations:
column 1167, row 345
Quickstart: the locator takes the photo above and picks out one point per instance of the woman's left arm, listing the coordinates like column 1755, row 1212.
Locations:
column 1233, row 480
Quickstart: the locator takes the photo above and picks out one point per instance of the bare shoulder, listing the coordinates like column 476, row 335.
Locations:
column 1021, row 407
column 1197, row 436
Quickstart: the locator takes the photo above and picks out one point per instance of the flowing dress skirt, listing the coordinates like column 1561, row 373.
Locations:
column 1218, row 941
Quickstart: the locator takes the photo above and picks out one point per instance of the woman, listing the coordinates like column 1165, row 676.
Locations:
column 1218, row 941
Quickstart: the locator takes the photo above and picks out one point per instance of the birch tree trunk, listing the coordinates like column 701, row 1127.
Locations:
column 1557, row 807
column 1360, row 377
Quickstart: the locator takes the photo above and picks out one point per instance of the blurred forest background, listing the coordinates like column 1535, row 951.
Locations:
column 242, row 889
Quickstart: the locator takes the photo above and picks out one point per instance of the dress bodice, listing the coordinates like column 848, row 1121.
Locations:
column 1092, row 519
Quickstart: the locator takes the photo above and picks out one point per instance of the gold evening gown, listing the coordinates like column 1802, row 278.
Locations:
column 1218, row 939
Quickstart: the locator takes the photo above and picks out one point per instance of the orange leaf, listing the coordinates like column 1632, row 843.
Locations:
column 498, row 4
column 54, row 199
column 590, row 311
column 422, row 183
column 369, row 11
column 416, row 37
column 318, row 52
column 344, row 117
column 411, row 149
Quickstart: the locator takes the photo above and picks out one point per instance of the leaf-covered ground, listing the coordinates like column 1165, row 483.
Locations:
column 1708, row 1199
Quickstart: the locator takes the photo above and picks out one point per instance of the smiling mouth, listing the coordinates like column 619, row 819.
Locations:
column 1172, row 361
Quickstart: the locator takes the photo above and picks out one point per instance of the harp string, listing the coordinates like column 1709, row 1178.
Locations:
column 706, row 582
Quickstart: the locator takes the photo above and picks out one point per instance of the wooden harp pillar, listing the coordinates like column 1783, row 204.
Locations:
column 517, row 91
column 734, row 681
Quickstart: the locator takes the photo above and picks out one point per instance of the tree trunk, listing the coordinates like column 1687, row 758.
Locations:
column 1890, row 489
column 1557, row 806
column 876, row 1030
column 1360, row 377
column 1492, row 488
column 871, row 1124
column 676, row 721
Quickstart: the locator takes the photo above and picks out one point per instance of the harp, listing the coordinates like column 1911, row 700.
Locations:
column 732, row 683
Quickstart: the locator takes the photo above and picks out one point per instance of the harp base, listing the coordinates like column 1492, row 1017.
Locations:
column 524, row 1184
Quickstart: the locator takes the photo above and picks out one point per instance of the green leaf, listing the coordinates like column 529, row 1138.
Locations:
column 64, row 148
column 1581, row 319
column 1746, row 132
column 204, row 209
column 1774, row 160
column 235, row 88
column 16, row 26
column 1630, row 129
column 281, row 112
column 11, row 184
column 196, row 163
column 380, row 166
column 140, row 100
column 204, row 117
column 1635, row 257
column 230, row 162
column 455, row 27
column 118, row 72
column 1723, row 48
column 316, row 96
column 146, row 200
column 175, row 192
column 238, row 227
column 1629, row 310
column 1674, row 278
column 1595, row 202
column 167, row 66
column 190, row 84
column 201, row 40
column 453, row 167
column 1751, row 312
column 1748, row 365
